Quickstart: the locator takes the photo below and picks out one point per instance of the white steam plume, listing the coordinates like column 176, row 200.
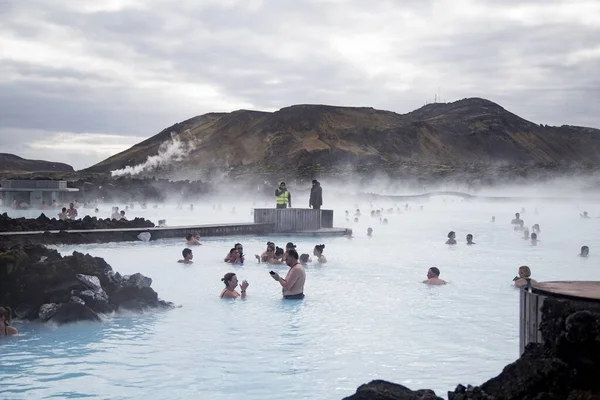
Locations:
column 170, row 151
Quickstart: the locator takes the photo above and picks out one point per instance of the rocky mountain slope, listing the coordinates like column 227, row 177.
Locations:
column 13, row 163
column 312, row 138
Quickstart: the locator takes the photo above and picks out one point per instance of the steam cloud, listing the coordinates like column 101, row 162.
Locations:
column 170, row 151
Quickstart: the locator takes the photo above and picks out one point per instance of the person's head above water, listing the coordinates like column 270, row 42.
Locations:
column 524, row 271
column 585, row 251
column 187, row 254
column 369, row 231
column 230, row 280
column 534, row 236
column 304, row 258
column 517, row 215
column 318, row 249
column 451, row 235
column 189, row 236
column 290, row 246
column 291, row 258
column 433, row 272
column 278, row 251
column 469, row 238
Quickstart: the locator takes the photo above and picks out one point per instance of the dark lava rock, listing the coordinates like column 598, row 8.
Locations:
column 565, row 366
column 47, row 311
column 43, row 223
column 73, row 312
column 383, row 390
column 39, row 289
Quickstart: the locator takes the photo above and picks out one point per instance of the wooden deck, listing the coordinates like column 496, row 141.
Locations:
column 585, row 290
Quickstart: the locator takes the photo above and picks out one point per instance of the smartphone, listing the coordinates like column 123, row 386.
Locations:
column 272, row 272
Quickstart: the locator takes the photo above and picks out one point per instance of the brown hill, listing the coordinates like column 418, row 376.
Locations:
column 308, row 138
column 12, row 163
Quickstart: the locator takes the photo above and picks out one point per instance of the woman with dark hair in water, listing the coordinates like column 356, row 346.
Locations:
column 318, row 252
column 5, row 320
column 451, row 238
column 231, row 282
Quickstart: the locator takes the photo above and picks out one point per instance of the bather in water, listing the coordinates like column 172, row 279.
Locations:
column 470, row 239
column 451, row 238
column 524, row 278
column 231, row 283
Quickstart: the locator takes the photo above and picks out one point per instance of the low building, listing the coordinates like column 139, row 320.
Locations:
column 32, row 193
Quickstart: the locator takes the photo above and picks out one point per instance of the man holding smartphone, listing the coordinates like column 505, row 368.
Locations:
column 293, row 284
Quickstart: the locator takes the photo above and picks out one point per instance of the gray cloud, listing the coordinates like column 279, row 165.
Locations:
column 137, row 68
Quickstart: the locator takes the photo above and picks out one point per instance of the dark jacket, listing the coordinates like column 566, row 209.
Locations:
column 316, row 196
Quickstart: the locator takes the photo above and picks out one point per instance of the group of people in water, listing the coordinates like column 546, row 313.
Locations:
column 293, row 283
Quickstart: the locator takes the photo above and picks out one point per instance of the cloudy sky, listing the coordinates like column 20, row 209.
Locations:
column 82, row 80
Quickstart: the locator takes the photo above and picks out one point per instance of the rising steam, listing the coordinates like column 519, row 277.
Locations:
column 169, row 152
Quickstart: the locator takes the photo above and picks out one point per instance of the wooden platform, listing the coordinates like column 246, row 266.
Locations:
column 323, row 232
column 585, row 290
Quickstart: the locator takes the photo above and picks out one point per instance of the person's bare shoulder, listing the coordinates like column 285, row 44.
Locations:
column 11, row 330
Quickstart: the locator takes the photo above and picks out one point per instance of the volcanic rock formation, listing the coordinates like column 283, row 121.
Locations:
column 43, row 223
column 38, row 283
column 307, row 140
column 566, row 366
column 13, row 163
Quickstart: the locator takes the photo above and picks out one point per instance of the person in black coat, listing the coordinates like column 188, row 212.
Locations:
column 316, row 195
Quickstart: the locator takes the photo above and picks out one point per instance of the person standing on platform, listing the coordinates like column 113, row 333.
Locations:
column 316, row 195
column 283, row 197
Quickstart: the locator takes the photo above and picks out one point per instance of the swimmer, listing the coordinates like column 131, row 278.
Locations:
column 63, row 214
column 451, row 238
column 318, row 252
column 536, row 228
column 240, row 249
column 493, row 219
column 585, row 251
column 516, row 220
column 385, row 221
column 304, row 259
column 233, row 257
column 278, row 257
column 191, row 240
column 470, row 239
column 433, row 277
column 293, row 284
column 72, row 211
column 115, row 214
column 123, row 216
column 267, row 254
column 584, row 215
column 96, row 210
column 370, row 232
column 231, row 282
column 357, row 214
column 520, row 225
column 187, row 256
column 524, row 277
column 5, row 320
column 526, row 234
column 191, row 207
column 356, row 219
column 534, row 239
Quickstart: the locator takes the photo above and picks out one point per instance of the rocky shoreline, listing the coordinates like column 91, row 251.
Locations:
column 43, row 223
column 40, row 284
column 565, row 366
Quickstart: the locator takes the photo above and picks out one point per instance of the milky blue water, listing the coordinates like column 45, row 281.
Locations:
column 366, row 314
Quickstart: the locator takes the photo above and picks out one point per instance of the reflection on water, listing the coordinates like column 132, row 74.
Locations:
column 366, row 314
